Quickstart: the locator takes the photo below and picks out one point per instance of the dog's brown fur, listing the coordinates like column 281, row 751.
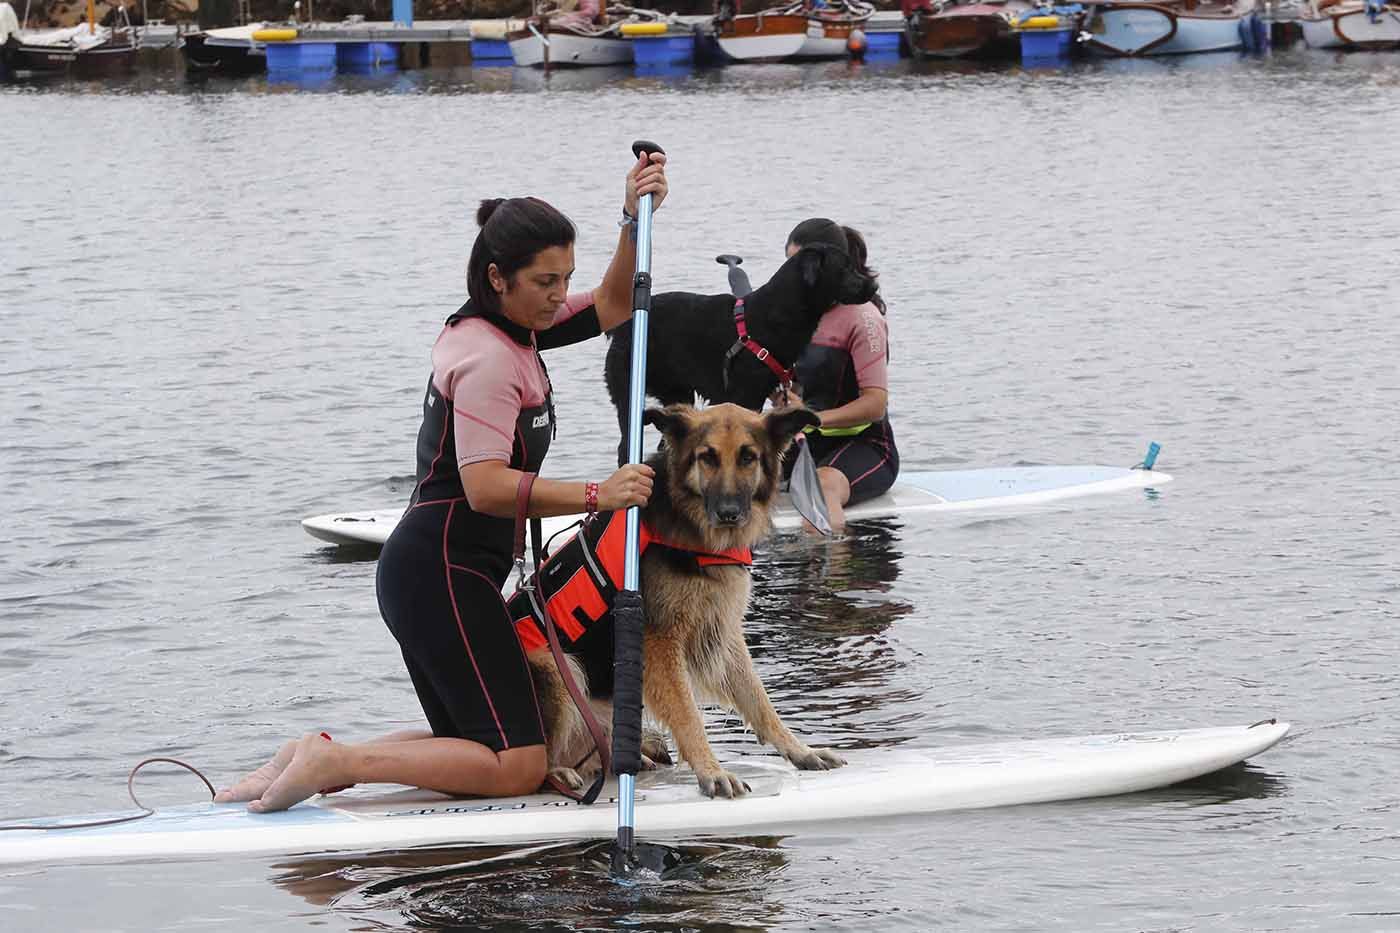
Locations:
column 716, row 482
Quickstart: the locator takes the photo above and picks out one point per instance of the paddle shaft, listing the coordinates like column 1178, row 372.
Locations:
column 631, row 580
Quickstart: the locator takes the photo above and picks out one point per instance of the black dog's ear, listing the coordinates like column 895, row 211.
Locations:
column 784, row 424
column 672, row 421
column 811, row 260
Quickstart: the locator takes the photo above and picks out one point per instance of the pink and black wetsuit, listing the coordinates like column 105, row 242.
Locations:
column 850, row 352
column 441, row 571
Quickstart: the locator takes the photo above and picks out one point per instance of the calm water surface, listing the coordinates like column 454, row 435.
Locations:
column 217, row 305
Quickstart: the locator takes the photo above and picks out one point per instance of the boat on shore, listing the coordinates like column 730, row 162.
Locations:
column 1372, row 25
column 770, row 35
column 584, row 36
column 965, row 30
column 88, row 50
column 830, row 26
column 1175, row 27
column 231, row 50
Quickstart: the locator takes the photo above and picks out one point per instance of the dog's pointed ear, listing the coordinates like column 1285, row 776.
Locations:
column 673, row 421
column 811, row 260
column 784, row 424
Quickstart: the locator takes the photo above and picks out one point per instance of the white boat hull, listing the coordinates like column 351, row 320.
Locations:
column 1151, row 30
column 828, row 39
column 762, row 48
column 1352, row 29
column 571, row 51
column 819, row 46
column 1203, row 35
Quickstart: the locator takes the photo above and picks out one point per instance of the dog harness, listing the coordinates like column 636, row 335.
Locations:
column 576, row 585
column 745, row 342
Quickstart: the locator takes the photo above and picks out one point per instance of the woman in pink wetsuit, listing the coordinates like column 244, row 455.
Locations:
column 488, row 417
column 843, row 376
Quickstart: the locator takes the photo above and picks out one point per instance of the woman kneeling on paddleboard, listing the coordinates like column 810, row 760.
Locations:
column 842, row 376
column 488, row 417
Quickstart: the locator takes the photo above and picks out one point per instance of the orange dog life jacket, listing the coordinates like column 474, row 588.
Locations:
column 577, row 583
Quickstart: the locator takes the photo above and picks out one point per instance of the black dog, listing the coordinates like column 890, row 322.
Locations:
column 689, row 336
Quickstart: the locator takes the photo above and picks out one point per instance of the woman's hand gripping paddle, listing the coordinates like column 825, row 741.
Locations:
column 627, row 607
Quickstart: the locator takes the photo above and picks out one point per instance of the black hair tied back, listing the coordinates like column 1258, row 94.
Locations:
column 860, row 257
column 815, row 230
column 513, row 231
column 487, row 208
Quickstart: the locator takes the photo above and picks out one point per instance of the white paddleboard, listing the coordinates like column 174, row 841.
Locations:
column 876, row 783
column 935, row 491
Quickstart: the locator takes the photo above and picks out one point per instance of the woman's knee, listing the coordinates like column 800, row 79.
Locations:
column 835, row 485
column 522, row 771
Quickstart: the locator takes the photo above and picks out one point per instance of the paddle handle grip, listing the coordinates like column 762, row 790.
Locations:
column 627, row 682
column 645, row 145
column 739, row 285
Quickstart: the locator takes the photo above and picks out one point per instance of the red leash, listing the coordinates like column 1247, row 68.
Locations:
column 745, row 342
column 522, row 506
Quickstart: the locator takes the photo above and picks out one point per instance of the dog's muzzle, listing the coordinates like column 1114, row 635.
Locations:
column 727, row 511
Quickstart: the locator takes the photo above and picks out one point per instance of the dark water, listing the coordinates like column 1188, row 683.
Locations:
column 217, row 304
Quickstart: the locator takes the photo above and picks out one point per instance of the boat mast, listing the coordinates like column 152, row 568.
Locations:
column 92, row 17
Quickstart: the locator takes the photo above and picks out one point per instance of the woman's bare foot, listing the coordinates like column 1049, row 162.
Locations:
column 315, row 764
column 257, row 782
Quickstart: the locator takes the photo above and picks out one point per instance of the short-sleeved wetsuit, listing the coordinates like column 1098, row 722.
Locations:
column 850, row 352
column 441, row 571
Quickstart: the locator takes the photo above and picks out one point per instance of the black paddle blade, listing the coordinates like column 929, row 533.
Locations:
column 643, row 860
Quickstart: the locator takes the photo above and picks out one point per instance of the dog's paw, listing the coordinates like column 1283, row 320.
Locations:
column 816, row 759
column 566, row 776
column 722, row 784
column 655, row 750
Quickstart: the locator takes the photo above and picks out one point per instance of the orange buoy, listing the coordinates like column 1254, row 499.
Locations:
column 856, row 44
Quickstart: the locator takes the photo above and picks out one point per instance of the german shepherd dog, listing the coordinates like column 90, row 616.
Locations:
column 689, row 335
column 716, row 482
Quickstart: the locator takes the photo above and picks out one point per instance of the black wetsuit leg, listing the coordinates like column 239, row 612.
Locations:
column 458, row 641
column 869, row 461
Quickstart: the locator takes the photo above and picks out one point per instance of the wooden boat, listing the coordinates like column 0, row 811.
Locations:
column 766, row 36
column 77, row 50
column 1174, row 27
column 86, row 51
column 963, row 30
column 230, row 51
column 587, row 35
column 1351, row 24
column 830, row 25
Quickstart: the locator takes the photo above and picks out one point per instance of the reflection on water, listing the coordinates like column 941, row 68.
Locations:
column 1238, row 782
column 819, row 615
column 222, row 326
column 718, row 884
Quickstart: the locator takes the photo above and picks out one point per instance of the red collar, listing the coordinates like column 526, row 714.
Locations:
column 746, row 342
column 732, row 557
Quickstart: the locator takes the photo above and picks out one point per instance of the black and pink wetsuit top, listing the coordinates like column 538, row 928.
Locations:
column 489, row 399
column 850, row 352
column 441, row 571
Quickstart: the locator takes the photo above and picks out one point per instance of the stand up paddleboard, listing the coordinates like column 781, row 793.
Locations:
column 936, row 491
column 876, row 783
